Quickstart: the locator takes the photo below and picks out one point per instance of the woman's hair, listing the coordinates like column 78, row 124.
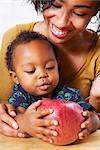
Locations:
column 41, row 5
column 23, row 38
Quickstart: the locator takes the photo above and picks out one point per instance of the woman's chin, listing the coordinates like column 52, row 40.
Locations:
column 57, row 40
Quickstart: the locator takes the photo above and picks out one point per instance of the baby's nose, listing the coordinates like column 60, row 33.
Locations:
column 43, row 74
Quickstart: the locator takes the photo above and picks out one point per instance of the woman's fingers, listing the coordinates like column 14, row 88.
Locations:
column 7, row 130
column 7, row 108
column 6, row 118
column 11, row 110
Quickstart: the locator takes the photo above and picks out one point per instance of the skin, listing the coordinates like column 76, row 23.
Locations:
column 64, row 19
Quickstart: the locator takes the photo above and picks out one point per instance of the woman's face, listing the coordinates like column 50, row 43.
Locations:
column 65, row 18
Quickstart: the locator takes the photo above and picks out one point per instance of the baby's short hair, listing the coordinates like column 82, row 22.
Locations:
column 22, row 38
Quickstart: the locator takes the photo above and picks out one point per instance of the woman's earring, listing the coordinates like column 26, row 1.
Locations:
column 94, row 19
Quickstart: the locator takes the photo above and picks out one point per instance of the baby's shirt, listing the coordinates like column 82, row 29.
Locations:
column 21, row 98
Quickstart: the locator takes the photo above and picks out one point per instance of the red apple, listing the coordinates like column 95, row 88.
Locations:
column 69, row 117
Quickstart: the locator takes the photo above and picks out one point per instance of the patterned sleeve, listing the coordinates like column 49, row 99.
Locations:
column 19, row 97
column 71, row 94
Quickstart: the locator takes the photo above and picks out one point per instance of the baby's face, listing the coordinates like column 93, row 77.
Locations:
column 36, row 67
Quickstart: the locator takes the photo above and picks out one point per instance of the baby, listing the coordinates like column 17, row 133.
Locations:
column 32, row 63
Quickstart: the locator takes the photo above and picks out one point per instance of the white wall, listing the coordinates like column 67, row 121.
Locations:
column 13, row 12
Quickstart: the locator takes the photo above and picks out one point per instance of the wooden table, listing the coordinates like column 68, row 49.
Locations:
column 8, row 143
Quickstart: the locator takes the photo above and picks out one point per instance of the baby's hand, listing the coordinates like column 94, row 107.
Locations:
column 91, row 123
column 35, row 125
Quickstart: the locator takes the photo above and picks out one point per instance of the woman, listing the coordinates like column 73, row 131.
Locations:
column 65, row 23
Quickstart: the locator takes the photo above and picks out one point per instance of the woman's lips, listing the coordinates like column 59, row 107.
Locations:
column 57, row 32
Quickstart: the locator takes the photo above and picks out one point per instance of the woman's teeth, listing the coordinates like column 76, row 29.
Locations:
column 58, row 32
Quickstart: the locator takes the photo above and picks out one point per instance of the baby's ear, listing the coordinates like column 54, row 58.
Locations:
column 14, row 77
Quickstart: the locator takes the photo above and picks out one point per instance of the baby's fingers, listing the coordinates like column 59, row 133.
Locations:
column 43, row 113
column 44, row 138
column 83, row 134
column 46, row 123
column 47, row 132
column 86, row 124
column 86, row 114
column 34, row 105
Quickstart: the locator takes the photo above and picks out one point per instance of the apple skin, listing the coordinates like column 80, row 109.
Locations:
column 69, row 117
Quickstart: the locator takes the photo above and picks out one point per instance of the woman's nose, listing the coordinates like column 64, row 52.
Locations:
column 64, row 20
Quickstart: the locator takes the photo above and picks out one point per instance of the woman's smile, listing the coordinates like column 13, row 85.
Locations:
column 58, row 32
column 60, row 35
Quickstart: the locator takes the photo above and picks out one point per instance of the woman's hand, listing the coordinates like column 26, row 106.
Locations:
column 8, row 126
column 94, row 98
column 91, row 124
column 32, row 122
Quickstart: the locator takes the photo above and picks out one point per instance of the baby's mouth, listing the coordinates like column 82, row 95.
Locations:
column 44, row 86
